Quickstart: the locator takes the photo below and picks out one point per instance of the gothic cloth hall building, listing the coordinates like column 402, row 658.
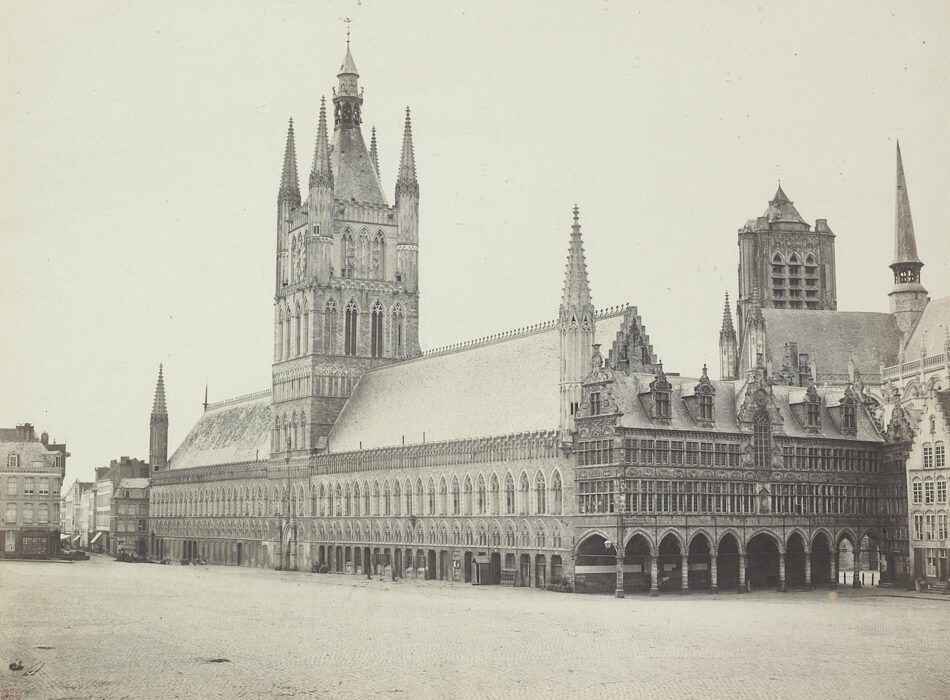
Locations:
column 527, row 457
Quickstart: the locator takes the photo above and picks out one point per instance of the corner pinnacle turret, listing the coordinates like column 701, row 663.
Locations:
column 289, row 186
column 406, row 182
column 158, row 405
column 727, row 328
column 321, row 173
column 373, row 154
column 576, row 285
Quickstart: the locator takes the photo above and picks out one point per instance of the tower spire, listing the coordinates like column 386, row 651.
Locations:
column 406, row 182
column 321, row 173
column 158, row 405
column 727, row 327
column 373, row 154
column 905, row 245
column 289, row 187
column 576, row 286
column 158, row 427
column 908, row 297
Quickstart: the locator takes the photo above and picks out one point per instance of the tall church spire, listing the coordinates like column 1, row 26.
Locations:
column 289, row 187
column 321, row 173
column 158, row 427
column 576, row 286
column 908, row 296
column 905, row 245
column 406, row 182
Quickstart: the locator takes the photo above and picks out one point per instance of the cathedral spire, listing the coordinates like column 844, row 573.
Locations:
column 321, row 173
column 406, row 182
column 289, row 187
column 576, row 286
column 373, row 154
column 158, row 405
column 905, row 245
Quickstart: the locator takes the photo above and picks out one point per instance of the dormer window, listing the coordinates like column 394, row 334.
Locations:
column 706, row 407
column 812, row 415
column 595, row 403
column 662, row 399
column 849, row 417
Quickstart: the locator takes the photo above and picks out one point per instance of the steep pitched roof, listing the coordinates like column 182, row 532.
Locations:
column 827, row 337
column 728, row 394
column 133, row 483
column 354, row 176
column 236, row 430
column 782, row 209
column 498, row 387
column 931, row 329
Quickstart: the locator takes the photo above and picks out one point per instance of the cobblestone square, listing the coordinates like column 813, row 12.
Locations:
column 104, row 629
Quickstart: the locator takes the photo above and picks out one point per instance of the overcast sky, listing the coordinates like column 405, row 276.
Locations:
column 142, row 144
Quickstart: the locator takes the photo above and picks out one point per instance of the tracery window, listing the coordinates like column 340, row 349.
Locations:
column 363, row 255
column 456, row 498
column 398, row 330
column 329, row 327
column 348, row 263
column 762, row 439
column 525, row 494
column 509, row 495
column 481, row 497
column 494, row 495
column 540, row 494
column 376, row 331
column 379, row 256
column 352, row 315
column 557, row 491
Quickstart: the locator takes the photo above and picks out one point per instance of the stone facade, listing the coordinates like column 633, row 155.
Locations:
column 31, row 473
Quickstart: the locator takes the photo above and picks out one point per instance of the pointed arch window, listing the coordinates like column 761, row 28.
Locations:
column 329, row 327
column 379, row 256
column 349, row 339
column 481, row 500
column 558, row 493
column 494, row 495
column 762, row 438
column 398, row 330
column 363, row 255
column 456, row 498
column 509, row 495
column 397, row 498
column 348, row 261
column 431, row 497
column 386, row 499
column 443, row 506
column 376, row 331
column 540, row 494
column 525, row 494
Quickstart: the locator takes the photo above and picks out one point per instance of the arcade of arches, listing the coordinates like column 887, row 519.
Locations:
column 728, row 561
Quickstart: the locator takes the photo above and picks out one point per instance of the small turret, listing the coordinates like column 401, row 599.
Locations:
column 728, row 345
column 288, row 199
column 407, row 209
column 576, row 329
column 158, row 427
column 908, row 297
column 320, row 204
column 373, row 153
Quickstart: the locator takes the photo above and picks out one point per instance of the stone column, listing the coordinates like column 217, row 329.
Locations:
column 742, row 588
column 618, row 589
column 653, row 577
column 713, row 574
column 808, row 570
column 685, row 571
column 833, row 568
column 856, row 567
column 781, row 572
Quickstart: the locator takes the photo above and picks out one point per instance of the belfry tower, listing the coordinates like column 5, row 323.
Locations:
column 346, row 285
column 576, row 326
column 908, row 297
column 158, row 428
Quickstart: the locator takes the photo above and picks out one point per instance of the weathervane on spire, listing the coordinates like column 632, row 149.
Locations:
column 347, row 20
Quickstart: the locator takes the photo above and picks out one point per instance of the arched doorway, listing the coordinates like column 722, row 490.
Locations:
column 727, row 562
column 821, row 560
column 636, row 564
column 430, row 564
column 495, row 568
column 844, row 560
column 762, row 561
column 670, row 564
column 594, row 565
column 795, row 562
column 700, row 556
column 240, row 553
column 540, row 571
column 524, row 578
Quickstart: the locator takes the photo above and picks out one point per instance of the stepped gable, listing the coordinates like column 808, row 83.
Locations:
column 234, row 430
column 827, row 337
column 499, row 385
column 931, row 330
